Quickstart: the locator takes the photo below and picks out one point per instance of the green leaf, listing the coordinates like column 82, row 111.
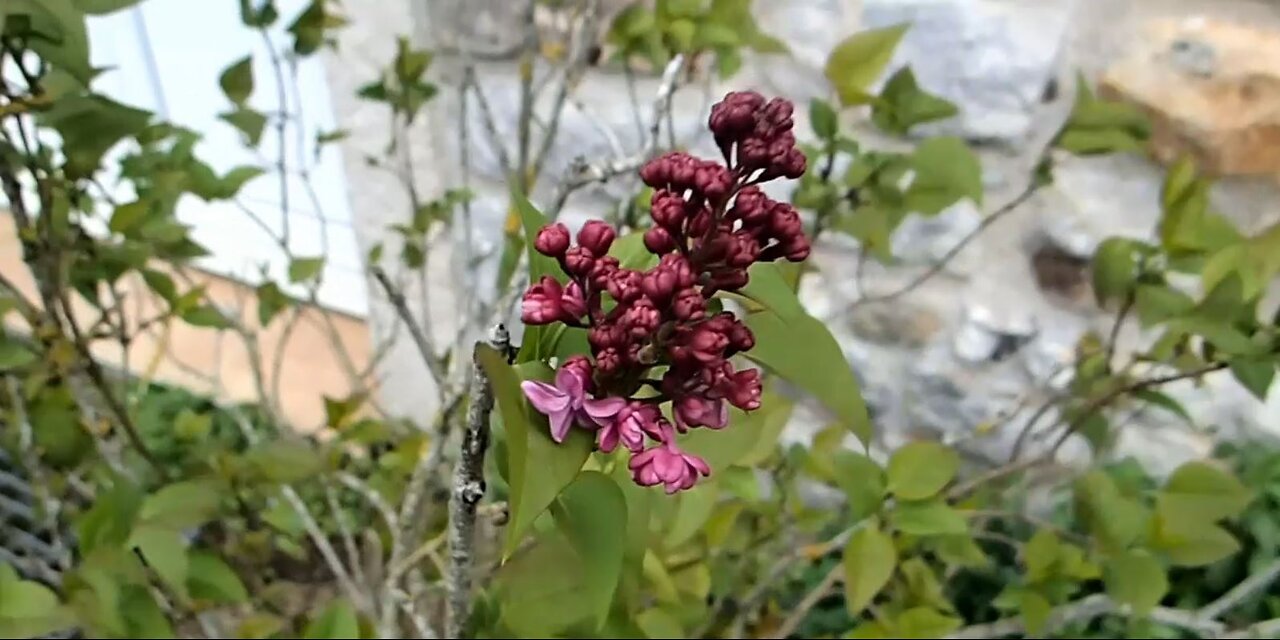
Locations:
column 110, row 519
column 903, row 105
column 1201, row 492
column 205, row 315
column 285, row 460
column 28, row 609
column 1136, row 578
column 869, row 560
column 542, row 590
column 823, row 119
column 271, row 301
column 1115, row 266
column 338, row 620
column 231, row 184
column 959, row 550
column 1163, row 401
column 531, row 222
column 921, row 469
column 145, row 618
column 594, row 518
column 1112, row 518
column 802, row 351
column 658, row 624
column 14, row 354
column 1193, row 543
column 1035, row 612
column 946, row 171
column 305, row 269
column 250, row 123
column 862, row 481
column 769, row 288
column 182, row 504
column 166, row 554
column 930, row 518
column 1158, row 303
column 1255, row 374
column 925, row 622
column 694, row 508
column 1040, row 554
column 540, row 468
column 103, row 7
column 209, row 578
column 91, row 125
column 237, row 80
column 56, row 33
column 857, row 61
column 309, row 28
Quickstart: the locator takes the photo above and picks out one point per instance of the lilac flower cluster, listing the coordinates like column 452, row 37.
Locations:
column 711, row 223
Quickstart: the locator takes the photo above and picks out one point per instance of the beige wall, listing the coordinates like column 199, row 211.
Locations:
column 204, row 359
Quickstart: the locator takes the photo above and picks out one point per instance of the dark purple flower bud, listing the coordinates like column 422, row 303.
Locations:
column 552, row 240
column 744, row 250
column 624, row 284
column 785, row 221
column 642, row 318
column 751, row 206
column 743, row 389
column 778, row 113
column 667, row 209
column 793, row 165
column 716, row 249
column 689, row 305
column 604, row 336
column 729, row 280
column 698, row 411
column 678, row 265
column 608, row 361
column 713, row 181
column 659, row 283
column 659, row 241
column 573, row 304
column 796, row 248
column 683, row 169
column 542, row 302
column 706, row 345
column 597, row 236
column 602, row 271
column 740, row 337
column 578, row 261
column 753, row 153
column 657, row 172
column 734, row 116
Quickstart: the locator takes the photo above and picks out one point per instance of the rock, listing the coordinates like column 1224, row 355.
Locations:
column 992, row 59
column 901, row 323
column 985, row 336
column 811, row 29
column 1212, row 89
column 927, row 240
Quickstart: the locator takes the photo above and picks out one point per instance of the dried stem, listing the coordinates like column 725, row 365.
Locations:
column 468, row 490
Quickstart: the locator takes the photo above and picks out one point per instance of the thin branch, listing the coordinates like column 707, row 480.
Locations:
column 811, row 599
column 1241, row 592
column 584, row 174
column 525, row 118
column 425, row 347
column 578, row 60
column 470, row 81
column 468, row 490
column 348, row 586
column 955, row 250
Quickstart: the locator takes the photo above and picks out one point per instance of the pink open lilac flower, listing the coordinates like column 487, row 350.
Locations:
column 629, row 427
column 567, row 402
column 697, row 411
column 667, row 464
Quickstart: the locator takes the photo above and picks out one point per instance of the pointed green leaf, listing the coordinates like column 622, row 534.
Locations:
column 305, row 269
column 769, row 288
column 869, row 560
column 857, row 62
column 946, row 171
column 861, row 479
column 902, row 104
column 210, row 578
column 1136, row 578
column 540, row 468
column 594, row 518
column 14, row 354
column 1035, row 612
column 802, row 351
column 1255, row 374
column 166, row 554
column 694, row 508
column 929, row 518
column 250, row 123
column 823, row 119
column 237, row 80
column 921, row 469
column 1115, row 266
column 925, row 622
column 182, row 504
column 336, row 621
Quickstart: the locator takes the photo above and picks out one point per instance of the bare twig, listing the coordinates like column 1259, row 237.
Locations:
column 525, row 119
column 469, row 81
column 811, row 599
column 575, row 66
column 1241, row 592
column 584, row 174
column 955, row 250
column 420, row 338
column 468, row 490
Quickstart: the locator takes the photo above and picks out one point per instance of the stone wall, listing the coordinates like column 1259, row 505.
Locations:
column 990, row 332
